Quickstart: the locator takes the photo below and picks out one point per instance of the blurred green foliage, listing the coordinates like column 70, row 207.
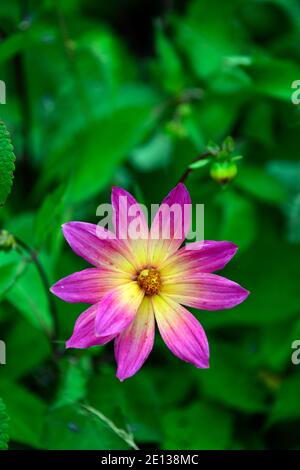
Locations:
column 129, row 93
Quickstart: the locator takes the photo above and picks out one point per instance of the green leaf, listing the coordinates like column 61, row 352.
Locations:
column 8, row 276
column 7, row 165
column 230, row 382
column 4, row 426
column 74, row 383
column 12, row 267
column 104, row 144
column 206, row 38
column 199, row 164
column 32, row 302
column 238, row 219
column 263, row 186
column 200, row 426
column 20, row 338
column 48, row 215
column 273, row 77
column 154, row 154
column 110, row 54
column 286, row 406
column 169, row 64
column 272, row 291
column 75, row 428
column 26, row 412
column 19, row 41
column 135, row 405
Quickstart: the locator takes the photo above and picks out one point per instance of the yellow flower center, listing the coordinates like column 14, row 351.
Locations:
column 149, row 280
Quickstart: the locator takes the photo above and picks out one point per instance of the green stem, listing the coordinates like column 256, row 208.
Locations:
column 53, row 310
column 189, row 170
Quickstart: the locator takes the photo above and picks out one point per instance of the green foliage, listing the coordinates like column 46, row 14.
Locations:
column 4, row 426
column 93, row 102
column 32, row 303
column 183, row 428
column 75, row 428
column 230, row 381
column 7, row 165
column 73, row 386
column 26, row 412
column 48, row 215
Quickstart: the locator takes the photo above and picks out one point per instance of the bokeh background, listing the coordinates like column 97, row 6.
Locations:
column 128, row 93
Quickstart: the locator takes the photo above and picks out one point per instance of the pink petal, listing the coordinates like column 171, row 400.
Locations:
column 206, row 256
column 133, row 346
column 88, row 285
column 93, row 243
column 171, row 224
column 130, row 225
column 128, row 214
column 181, row 332
column 206, row 291
column 117, row 309
column 84, row 331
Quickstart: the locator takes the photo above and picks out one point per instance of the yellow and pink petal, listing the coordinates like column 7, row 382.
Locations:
column 181, row 332
column 133, row 345
column 205, row 291
column 98, row 246
column 117, row 309
column 89, row 285
column 84, row 331
column 130, row 225
column 170, row 225
column 206, row 256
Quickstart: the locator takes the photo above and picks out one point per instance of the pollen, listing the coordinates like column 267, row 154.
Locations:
column 149, row 280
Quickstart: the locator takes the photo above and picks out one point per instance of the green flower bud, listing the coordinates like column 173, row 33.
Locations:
column 7, row 241
column 223, row 172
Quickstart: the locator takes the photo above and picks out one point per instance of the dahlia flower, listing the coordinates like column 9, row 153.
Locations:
column 137, row 282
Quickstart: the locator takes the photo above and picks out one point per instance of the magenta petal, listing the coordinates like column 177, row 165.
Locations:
column 84, row 286
column 89, row 285
column 129, row 219
column 133, row 345
column 207, row 292
column 181, row 332
column 84, row 331
column 206, row 256
column 173, row 226
column 96, row 245
column 210, row 255
column 117, row 309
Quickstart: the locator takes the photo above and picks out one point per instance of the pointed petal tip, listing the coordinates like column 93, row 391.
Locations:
column 66, row 228
column 68, row 344
column 71, row 344
column 234, row 246
column 55, row 289
column 246, row 293
column 203, row 364
column 65, row 225
column 242, row 296
column 123, row 375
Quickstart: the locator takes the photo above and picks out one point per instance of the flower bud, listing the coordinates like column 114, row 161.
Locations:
column 7, row 241
column 223, row 172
